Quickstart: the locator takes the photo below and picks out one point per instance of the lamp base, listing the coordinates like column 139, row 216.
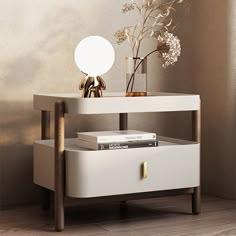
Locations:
column 92, row 86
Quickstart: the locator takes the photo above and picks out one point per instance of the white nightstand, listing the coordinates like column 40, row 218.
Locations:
column 59, row 165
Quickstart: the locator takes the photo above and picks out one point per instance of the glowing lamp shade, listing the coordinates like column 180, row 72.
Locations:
column 94, row 55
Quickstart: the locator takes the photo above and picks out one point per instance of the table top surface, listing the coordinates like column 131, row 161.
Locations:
column 118, row 103
column 114, row 95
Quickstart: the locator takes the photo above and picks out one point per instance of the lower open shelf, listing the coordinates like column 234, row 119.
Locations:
column 174, row 164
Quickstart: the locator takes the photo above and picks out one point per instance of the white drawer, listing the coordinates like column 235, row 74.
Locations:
column 113, row 172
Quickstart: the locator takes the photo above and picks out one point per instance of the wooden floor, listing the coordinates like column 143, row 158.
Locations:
column 151, row 217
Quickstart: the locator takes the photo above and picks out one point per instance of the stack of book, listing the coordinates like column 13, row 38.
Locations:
column 120, row 139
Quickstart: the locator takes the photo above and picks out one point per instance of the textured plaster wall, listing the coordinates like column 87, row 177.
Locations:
column 37, row 45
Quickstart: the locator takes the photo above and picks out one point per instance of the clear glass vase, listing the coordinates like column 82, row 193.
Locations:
column 136, row 76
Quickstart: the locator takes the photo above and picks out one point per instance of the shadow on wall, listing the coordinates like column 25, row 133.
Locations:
column 22, row 70
column 213, row 79
column 40, row 66
column 45, row 58
column 37, row 65
column 19, row 126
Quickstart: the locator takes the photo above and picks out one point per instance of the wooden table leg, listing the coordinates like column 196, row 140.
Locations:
column 59, row 165
column 196, row 201
column 196, row 124
column 123, row 121
column 123, row 125
column 45, row 134
column 123, row 209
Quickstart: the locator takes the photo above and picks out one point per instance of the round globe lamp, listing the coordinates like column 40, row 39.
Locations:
column 94, row 56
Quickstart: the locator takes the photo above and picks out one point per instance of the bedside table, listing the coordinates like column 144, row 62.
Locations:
column 61, row 166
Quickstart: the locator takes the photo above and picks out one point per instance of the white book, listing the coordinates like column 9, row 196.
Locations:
column 116, row 145
column 116, row 136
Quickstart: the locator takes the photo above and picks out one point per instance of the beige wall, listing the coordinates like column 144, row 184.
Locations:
column 213, row 77
column 37, row 45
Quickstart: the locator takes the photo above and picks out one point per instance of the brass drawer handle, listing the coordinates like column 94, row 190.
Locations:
column 144, row 170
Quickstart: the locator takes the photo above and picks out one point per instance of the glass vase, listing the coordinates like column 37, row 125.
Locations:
column 136, row 76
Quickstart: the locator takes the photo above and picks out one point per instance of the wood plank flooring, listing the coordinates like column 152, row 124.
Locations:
column 169, row 216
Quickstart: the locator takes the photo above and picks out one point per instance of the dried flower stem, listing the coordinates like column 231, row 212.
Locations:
column 155, row 23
